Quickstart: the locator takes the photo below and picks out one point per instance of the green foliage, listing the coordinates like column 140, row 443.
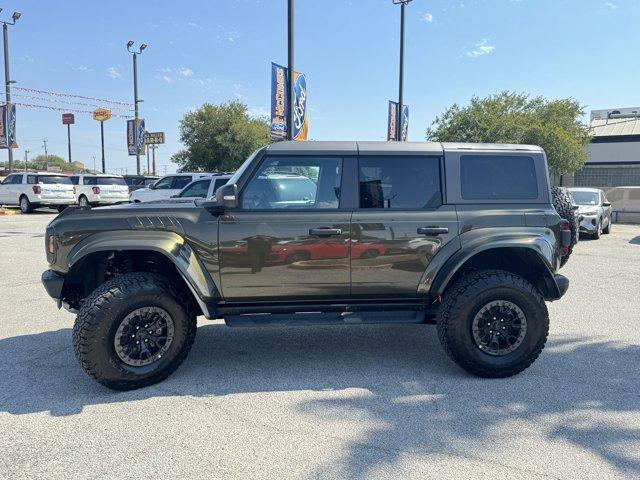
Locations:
column 219, row 137
column 40, row 163
column 508, row 117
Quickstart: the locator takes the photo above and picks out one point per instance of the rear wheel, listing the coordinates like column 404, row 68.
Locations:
column 493, row 323
column 133, row 331
column 25, row 205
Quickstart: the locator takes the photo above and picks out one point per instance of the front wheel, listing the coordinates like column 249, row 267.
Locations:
column 598, row 232
column 493, row 323
column 607, row 230
column 133, row 331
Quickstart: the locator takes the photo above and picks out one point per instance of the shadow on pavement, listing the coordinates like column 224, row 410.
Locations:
column 412, row 397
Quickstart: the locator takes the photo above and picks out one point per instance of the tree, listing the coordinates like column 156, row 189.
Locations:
column 219, row 137
column 509, row 117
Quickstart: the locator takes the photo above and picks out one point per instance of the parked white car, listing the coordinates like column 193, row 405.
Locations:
column 595, row 210
column 166, row 187
column 31, row 190
column 100, row 189
column 201, row 188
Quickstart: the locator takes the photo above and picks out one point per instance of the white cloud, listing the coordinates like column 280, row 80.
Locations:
column 28, row 58
column 167, row 78
column 482, row 48
column 113, row 72
column 258, row 112
column 427, row 17
column 185, row 71
column 611, row 6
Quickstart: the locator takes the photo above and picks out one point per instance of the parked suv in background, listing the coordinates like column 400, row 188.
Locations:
column 31, row 190
column 595, row 210
column 136, row 182
column 100, row 189
column 166, row 187
column 201, row 188
column 481, row 215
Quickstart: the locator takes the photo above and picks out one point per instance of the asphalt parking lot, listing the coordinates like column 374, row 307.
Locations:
column 327, row 402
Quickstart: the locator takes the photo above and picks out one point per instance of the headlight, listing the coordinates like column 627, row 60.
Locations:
column 590, row 213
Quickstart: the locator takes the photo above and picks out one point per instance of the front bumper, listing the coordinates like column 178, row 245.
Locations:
column 53, row 283
column 589, row 224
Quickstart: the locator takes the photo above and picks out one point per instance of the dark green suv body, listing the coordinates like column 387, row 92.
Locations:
column 461, row 235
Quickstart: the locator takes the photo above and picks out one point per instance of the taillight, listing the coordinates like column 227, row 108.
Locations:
column 96, row 190
column 566, row 225
column 52, row 246
column 37, row 189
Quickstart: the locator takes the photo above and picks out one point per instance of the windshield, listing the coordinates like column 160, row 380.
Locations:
column 236, row 176
column 111, row 181
column 53, row 179
column 585, row 198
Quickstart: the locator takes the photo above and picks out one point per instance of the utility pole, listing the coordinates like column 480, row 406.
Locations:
column 135, row 90
column 148, row 160
column 290, row 62
column 7, row 79
column 403, row 4
column 46, row 155
column 26, row 159
column 153, row 168
column 94, row 164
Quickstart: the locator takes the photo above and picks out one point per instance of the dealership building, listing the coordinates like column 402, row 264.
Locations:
column 614, row 152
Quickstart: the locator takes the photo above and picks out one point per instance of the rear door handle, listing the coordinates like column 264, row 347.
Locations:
column 325, row 232
column 433, row 231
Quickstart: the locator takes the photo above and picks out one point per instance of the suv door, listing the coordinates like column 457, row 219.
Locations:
column 400, row 224
column 8, row 189
column 272, row 247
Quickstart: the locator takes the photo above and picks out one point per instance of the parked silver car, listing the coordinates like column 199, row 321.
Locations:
column 595, row 209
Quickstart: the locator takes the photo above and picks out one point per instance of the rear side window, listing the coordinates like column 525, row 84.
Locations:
column 180, row 182
column 74, row 180
column 54, row 179
column 399, row 183
column 499, row 177
column 32, row 179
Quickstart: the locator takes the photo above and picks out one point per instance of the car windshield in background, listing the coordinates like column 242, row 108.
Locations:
column 110, row 181
column 53, row 179
column 585, row 198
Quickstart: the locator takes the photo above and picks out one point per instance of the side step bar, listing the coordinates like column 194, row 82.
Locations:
column 324, row 318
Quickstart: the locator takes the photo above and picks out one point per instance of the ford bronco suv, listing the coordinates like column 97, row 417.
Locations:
column 461, row 235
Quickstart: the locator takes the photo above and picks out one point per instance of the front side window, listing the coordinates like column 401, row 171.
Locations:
column 498, row 177
column 196, row 189
column 163, row 183
column 294, row 183
column 180, row 182
column 89, row 181
column 399, row 183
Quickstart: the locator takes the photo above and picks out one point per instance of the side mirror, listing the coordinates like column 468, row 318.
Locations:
column 606, row 204
column 225, row 198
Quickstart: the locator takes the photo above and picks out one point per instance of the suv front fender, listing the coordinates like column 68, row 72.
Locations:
column 529, row 252
column 170, row 244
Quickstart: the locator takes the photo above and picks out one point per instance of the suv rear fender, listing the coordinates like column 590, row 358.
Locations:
column 169, row 244
column 528, row 252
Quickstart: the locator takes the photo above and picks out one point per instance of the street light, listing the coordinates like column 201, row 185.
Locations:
column 7, row 77
column 135, row 88
column 403, row 4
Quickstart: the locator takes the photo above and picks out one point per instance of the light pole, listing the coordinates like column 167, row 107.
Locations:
column 135, row 89
column 290, row 85
column 403, row 4
column 7, row 77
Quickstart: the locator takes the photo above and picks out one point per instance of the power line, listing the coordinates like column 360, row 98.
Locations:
column 72, row 95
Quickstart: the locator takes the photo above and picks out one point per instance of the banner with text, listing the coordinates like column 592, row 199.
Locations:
column 8, row 126
column 135, row 136
column 392, row 122
column 280, row 104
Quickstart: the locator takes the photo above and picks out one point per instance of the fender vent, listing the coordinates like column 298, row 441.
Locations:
column 171, row 224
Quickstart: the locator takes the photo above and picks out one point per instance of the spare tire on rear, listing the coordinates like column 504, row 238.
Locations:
column 564, row 206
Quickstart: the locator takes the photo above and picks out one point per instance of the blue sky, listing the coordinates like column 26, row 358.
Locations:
column 216, row 50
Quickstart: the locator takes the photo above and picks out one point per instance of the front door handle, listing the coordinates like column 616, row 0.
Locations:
column 325, row 232
column 432, row 231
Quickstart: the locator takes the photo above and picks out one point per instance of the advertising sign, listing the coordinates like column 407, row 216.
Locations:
column 392, row 122
column 68, row 119
column 101, row 114
column 280, row 104
column 153, row 138
column 8, row 126
column 135, row 137
column 392, row 129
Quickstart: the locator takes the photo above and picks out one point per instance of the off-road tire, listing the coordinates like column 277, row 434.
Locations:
column 25, row 205
column 466, row 297
column 564, row 206
column 607, row 230
column 102, row 312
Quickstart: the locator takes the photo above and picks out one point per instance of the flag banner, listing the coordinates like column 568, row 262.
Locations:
column 280, row 103
column 3, row 126
column 405, row 122
column 392, row 129
column 8, row 126
column 136, row 136
column 392, row 122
